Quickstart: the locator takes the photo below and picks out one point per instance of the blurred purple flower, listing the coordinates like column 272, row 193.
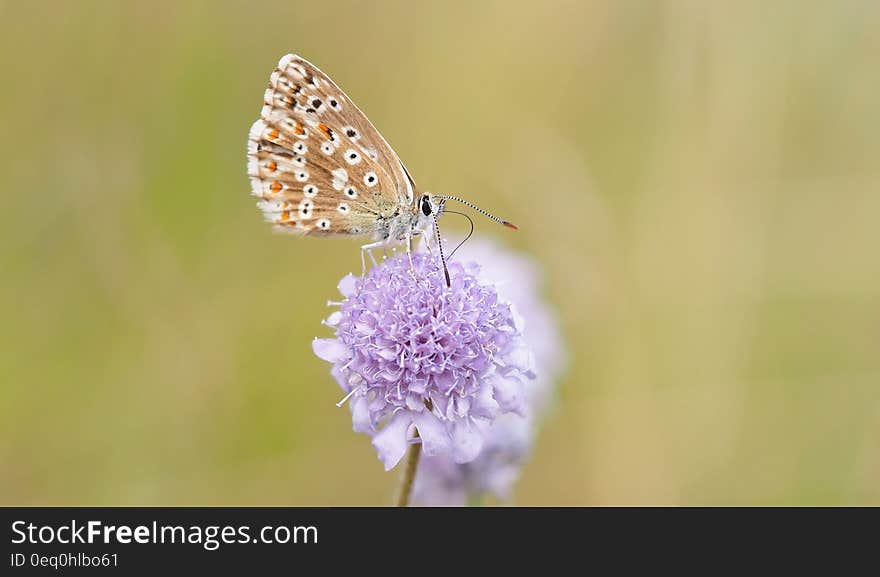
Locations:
column 412, row 353
column 440, row 481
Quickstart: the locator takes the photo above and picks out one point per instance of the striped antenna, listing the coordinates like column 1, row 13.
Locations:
column 478, row 209
column 442, row 257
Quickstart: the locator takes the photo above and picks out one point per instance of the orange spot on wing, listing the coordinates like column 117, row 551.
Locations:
column 273, row 134
column 285, row 216
column 271, row 166
column 299, row 129
column 275, row 186
column 326, row 130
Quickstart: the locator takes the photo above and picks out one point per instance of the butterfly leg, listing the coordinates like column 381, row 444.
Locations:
column 412, row 267
column 426, row 241
column 367, row 248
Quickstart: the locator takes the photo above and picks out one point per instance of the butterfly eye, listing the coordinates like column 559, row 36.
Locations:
column 426, row 206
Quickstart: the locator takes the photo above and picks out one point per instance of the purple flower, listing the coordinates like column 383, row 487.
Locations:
column 510, row 439
column 414, row 355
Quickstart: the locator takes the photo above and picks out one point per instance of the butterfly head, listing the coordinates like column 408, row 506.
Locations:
column 431, row 206
column 429, row 209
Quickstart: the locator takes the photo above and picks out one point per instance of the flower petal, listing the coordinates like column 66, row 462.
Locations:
column 348, row 285
column 390, row 442
column 521, row 357
column 467, row 441
column 341, row 378
column 435, row 438
column 333, row 319
column 331, row 350
column 509, row 393
column 484, row 405
column 360, row 414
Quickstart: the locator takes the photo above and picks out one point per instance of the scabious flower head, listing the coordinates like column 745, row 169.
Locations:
column 510, row 439
column 416, row 356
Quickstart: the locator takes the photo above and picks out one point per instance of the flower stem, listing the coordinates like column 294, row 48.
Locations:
column 413, row 453
column 476, row 500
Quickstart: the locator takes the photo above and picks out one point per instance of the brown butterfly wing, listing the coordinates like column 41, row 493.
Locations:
column 316, row 162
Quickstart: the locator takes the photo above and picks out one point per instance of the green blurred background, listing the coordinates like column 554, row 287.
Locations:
column 699, row 182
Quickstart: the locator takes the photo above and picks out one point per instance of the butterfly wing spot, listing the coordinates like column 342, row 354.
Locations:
column 334, row 104
column 351, row 133
column 279, row 99
column 343, row 208
column 324, row 223
column 310, row 190
column 273, row 149
column 271, row 206
column 277, row 212
column 352, row 157
column 292, row 125
column 300, row 148
column 370, row 179
column 291, row 227
column 280, row 83
column 305, row 208
column 302, row 175
column 340, row 177
column 327, row 131
column 263, row 189
column 351, row 192
column 327, row 148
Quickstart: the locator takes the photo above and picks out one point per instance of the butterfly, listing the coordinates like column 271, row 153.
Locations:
column 320, row 167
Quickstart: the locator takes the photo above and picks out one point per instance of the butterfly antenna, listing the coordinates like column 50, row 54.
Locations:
column 440, row 246
column 471, row 232
column 478, row 209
